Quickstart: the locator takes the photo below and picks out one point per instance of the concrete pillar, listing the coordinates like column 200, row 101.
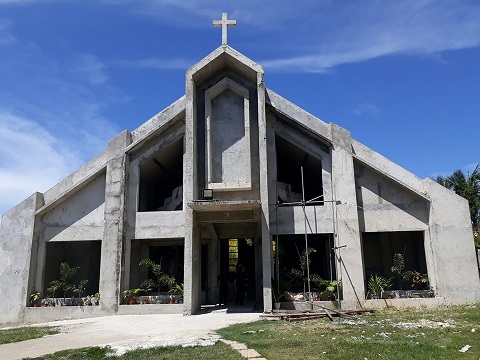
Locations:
column 16, row 240
column 113, row 232
column 350, row 264
column 264, row 197
column 192, row 273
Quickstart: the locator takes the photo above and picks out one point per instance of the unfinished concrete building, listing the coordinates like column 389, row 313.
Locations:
column 234, row 173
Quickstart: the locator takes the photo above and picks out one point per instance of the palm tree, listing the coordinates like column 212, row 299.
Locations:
column 467, row 186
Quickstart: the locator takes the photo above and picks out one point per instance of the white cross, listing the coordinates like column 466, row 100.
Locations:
column 224, row 23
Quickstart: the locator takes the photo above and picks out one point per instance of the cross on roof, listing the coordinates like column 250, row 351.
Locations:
column 224, row 23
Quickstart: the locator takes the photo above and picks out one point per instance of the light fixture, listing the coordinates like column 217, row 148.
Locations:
column 207, row 194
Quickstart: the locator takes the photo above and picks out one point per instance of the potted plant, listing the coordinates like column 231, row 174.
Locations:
column 80, row 289
column 277, row 299
column 326, row 289
column 66, row 273
column 377, row 285
column 52, row 289
column 35, row 299
column 89, row 300
column 130, row 295
column 419, row 280
column 92, row 299
column 163, row 279
column 176, row 289
column 97, row 298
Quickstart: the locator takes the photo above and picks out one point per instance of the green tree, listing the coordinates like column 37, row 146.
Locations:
column 467, row 186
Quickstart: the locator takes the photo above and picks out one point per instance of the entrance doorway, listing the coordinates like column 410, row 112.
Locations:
column 234, row 253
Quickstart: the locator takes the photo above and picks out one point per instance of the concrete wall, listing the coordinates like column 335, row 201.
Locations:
column 452, row 246
column 160, row 224
column 17, row 242
column 384, row 205
column 79, row 217
column 228, row 143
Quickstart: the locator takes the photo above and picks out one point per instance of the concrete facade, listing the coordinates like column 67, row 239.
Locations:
column 142, row 197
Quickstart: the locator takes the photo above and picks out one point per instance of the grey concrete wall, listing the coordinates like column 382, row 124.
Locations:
column 451, row 242
column 384, row 205
column 191, row 298
column 228, row 136
column 113, row 235
column 79, row 217
column 160, row 224
column 290, row 220
column 266, row 139
column 350, row 266
column 16, row 239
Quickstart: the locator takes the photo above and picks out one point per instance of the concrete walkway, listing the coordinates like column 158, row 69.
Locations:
column 127, row 332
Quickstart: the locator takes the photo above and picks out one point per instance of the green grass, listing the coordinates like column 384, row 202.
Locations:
column 217, row 351
column 25, row 333
column 389, row 334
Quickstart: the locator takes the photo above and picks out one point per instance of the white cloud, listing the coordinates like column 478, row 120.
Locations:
column 366, row 31
column 89, row 66
column 317, row 35
column 31, row 159
column 367, row 109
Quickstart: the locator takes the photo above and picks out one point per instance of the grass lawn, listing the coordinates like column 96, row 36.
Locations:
column 218, row 351
column 388, row 334
column 25, row 333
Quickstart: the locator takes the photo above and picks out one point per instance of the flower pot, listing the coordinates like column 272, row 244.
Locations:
column 132, row 301
column 145, row 301
column 172, row 301
column 36, row 305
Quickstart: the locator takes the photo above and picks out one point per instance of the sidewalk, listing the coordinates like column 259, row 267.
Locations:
column 126, row 332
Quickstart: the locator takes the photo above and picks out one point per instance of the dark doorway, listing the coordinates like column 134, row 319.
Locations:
column 239, row 251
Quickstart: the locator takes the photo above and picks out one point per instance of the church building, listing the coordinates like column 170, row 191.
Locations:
column 232, row 175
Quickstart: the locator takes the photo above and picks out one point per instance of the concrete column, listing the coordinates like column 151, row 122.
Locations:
column 350, row 264
column 264, row 197
column 191, row 298
column 113, row 232
column 16, row 235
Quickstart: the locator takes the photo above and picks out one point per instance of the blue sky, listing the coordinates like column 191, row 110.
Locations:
column 402, row 76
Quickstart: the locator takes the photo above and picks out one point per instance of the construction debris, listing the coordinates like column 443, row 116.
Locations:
column 297, row 315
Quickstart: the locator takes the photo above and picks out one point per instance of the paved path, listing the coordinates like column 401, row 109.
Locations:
column 126, row 332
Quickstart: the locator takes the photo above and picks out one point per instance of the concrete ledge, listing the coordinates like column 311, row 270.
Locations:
column 150, row 309
column 306, row 306
column 416, row 303
column 46, row 314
